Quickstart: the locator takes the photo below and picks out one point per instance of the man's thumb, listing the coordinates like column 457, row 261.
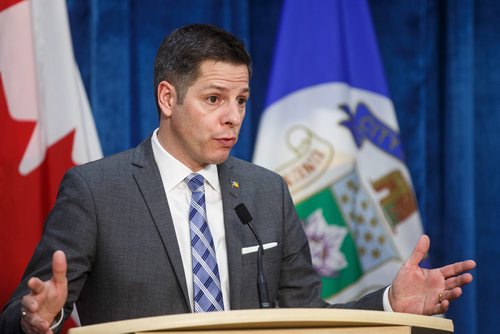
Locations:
column 421, row 249
column 59, row 267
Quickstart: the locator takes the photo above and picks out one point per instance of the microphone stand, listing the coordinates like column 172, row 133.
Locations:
column 246, row 219
column 261, row 281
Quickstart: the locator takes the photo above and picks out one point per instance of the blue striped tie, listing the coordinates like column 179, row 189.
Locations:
column 207, row 292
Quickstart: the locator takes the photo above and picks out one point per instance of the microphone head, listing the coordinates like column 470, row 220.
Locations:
column 243, row 214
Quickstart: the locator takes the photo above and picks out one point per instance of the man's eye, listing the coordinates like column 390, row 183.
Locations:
column 212, row 99
column 242, row 101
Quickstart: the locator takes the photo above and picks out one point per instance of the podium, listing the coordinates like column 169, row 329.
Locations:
column 278, row 321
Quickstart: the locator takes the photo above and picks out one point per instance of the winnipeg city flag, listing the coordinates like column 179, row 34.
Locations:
column 330, row 129
column 46, row 125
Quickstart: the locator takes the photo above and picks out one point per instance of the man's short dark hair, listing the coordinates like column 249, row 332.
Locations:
column 179, row 57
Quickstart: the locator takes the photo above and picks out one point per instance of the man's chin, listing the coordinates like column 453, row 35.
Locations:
column 220, row 158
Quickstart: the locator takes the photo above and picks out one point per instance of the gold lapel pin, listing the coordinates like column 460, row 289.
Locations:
column 235, row 184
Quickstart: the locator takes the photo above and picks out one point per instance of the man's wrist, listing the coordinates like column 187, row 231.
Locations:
column 56, row 324
column 385, row 300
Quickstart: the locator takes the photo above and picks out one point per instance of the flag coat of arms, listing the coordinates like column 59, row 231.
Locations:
column 46, row 125
column 331, row 131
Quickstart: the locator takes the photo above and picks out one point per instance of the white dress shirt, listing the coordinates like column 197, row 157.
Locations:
column 173, row 173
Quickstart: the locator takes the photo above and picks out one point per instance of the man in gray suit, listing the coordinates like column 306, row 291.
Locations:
column 120, row 230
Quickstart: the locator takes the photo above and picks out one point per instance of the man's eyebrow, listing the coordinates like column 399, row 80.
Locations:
column 222, row 88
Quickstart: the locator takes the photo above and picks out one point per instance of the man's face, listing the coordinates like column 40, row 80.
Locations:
column 205, row 127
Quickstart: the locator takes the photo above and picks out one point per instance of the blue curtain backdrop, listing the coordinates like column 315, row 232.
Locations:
column 443, row 73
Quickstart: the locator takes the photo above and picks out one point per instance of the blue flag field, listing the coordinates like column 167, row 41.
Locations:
column 331, row 131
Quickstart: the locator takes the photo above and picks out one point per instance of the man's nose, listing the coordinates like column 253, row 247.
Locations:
column 233, row 114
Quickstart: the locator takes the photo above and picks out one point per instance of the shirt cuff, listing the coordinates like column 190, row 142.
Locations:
column 385, row 299
column 58, row 322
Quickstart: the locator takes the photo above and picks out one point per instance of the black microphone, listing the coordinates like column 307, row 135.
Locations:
column 246, row 219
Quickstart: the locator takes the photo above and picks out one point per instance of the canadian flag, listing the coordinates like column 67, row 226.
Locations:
column 46, row 125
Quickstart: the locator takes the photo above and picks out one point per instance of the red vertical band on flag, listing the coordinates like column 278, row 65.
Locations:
column 26, row 199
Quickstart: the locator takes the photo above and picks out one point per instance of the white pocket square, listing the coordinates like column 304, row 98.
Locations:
column 253, row 249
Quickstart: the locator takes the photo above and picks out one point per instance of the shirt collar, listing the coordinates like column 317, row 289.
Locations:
column 174, row 172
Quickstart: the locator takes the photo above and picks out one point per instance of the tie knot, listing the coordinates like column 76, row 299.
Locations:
column 195, row 182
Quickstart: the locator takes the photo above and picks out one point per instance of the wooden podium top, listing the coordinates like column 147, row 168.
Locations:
column 271, row 319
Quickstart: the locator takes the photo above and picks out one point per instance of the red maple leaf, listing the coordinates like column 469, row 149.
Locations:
column 25, row 200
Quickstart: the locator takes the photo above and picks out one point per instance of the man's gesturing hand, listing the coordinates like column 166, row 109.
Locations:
column 427, row 291
column 46, row 299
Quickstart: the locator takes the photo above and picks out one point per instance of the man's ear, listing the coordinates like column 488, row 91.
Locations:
column 167, row 97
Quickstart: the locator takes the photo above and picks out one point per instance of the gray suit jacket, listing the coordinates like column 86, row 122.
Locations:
column 112, row 220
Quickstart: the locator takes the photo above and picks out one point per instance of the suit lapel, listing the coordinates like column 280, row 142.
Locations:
column 230, row 198
column 148, row 179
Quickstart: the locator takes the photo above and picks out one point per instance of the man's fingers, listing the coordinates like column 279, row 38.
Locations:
column 36, row 285
column 31, row 323
column 457, row 268
column 440, row 308
column 420, row 250
column 30, row 304
column 444, row 306
column 38, row 323
column 453, row 294
column 27, row 328
column 458, row 281
column 59, row 267
column 436, row 309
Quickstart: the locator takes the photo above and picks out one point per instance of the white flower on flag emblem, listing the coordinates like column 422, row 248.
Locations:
column 325, row 241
